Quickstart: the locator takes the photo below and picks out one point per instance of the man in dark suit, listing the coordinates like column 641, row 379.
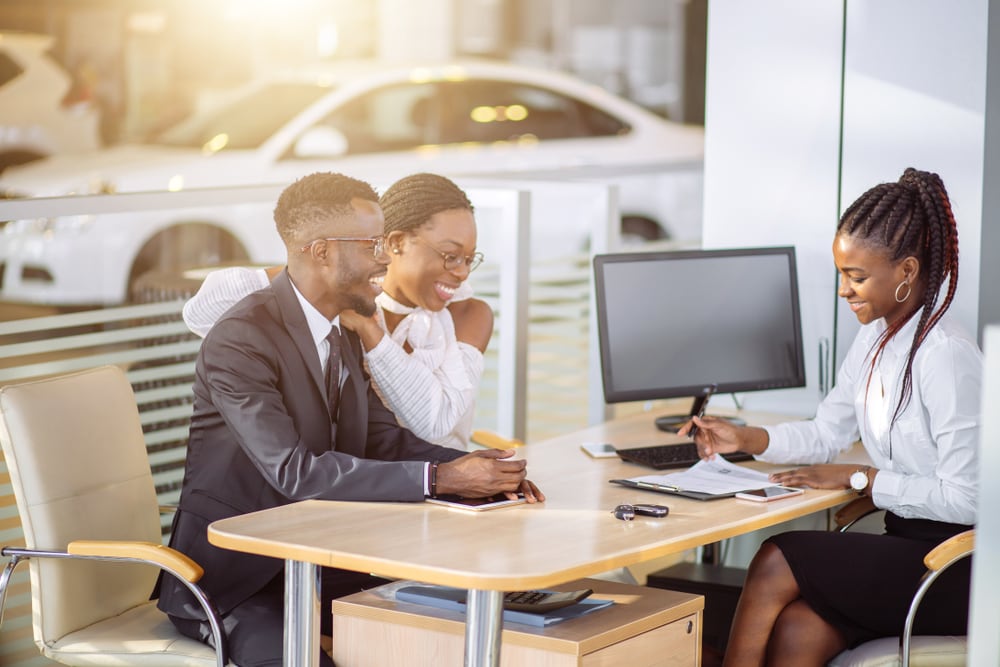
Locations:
column 284, row 411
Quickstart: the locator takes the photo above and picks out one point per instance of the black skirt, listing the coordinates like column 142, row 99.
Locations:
column 863, row 584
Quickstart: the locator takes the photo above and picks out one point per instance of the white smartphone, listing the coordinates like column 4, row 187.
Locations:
column 599, row 450
column 769, row 493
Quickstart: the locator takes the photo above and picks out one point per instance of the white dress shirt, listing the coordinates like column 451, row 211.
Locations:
column 927, row 459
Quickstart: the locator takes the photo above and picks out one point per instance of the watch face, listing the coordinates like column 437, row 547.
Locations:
column 859, row 480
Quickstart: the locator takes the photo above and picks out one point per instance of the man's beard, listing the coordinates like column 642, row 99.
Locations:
column 362, row 307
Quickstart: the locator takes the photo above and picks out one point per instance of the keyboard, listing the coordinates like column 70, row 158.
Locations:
column 681, row 455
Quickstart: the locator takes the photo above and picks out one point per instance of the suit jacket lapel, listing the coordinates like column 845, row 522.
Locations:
column 298, row 328
column 349, row 434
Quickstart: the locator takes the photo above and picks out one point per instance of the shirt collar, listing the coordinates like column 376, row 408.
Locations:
column 319, row 326
column 899, row 345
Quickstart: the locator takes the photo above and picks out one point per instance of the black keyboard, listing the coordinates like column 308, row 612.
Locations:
column 681, row 455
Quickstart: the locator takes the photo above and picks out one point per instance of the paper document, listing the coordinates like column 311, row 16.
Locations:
column 715, row 477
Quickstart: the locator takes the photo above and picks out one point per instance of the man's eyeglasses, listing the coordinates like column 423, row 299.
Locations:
column 377, row 242
column 453, row 261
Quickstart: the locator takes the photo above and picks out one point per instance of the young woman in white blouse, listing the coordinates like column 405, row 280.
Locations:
column 424, row 345
column 909, row 388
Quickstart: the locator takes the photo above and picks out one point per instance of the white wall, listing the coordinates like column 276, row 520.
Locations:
column 772, row 124
column 918, row 99
column 914, row 94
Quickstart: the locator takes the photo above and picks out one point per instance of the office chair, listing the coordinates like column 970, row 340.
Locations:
column 85, row 495
column 922, row 651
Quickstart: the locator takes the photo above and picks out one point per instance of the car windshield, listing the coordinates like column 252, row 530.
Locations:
column 246, row 123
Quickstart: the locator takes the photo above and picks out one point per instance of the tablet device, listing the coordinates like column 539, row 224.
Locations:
column 477, row 504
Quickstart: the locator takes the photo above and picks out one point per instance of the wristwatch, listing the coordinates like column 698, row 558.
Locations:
column 859, row 479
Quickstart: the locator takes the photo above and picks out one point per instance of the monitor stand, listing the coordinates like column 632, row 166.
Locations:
column 672, row 423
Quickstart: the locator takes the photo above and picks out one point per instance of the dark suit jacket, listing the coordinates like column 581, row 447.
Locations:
column 261, row 437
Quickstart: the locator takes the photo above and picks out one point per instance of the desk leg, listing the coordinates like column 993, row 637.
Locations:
column 302, row 596
column 483, row 627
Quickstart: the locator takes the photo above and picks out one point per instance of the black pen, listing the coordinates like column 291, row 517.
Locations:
column 694, row 427
column 701, row 403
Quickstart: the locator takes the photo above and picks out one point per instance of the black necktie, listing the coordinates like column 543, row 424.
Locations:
column 333, row 371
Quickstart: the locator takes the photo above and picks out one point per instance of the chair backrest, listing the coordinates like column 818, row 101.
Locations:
column 79, row 470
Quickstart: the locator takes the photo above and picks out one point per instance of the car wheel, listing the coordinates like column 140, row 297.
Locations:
column 637, row 229
column 170, row 252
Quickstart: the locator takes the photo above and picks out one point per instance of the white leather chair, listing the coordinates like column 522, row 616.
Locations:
column 81, row 477
column 907, row 650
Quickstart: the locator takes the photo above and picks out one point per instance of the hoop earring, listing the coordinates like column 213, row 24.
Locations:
column 908, row 290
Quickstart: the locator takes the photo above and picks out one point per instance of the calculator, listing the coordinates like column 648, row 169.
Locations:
column 541, row 602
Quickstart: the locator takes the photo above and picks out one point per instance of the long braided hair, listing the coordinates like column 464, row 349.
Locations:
column 412, row 200
column 911, row 217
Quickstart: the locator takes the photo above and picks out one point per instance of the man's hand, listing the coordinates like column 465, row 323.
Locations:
column 485, row 473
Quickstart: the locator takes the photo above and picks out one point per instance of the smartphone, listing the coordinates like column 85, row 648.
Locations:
column 769, row 493
column 599, row 450
column 699, row 406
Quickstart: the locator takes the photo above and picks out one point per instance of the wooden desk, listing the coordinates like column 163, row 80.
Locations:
column 570, row 536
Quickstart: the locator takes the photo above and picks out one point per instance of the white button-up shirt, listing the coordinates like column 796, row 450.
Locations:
column 927, row 459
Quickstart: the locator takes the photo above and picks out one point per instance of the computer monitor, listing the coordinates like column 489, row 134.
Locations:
column 672, row 323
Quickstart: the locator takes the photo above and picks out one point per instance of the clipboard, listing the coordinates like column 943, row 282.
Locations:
column 706, row 480
column 673, row 490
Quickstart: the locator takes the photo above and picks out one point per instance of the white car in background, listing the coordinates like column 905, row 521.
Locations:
column 36, row 120
column 375, row 122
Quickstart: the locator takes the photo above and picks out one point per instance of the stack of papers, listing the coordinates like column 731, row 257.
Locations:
column 453, row 599
column 715, row 478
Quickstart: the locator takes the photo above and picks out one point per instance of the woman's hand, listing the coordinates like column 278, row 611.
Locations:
column 822, row 476
column 368, row 328
column 720, row 436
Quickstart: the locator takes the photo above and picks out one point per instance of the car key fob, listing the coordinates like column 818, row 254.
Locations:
column 651, row 510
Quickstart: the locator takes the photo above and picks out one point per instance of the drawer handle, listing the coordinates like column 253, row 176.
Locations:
column 690, row 627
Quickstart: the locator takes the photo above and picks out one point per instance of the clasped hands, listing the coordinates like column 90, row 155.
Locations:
column 485, row 473
column 718, row 436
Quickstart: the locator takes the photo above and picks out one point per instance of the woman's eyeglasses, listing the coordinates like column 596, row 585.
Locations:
column 453, row 261
column 377, row 242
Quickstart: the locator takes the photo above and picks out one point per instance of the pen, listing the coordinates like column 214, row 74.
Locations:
column 659, row 487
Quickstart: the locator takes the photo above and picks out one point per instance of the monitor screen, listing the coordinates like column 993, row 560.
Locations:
column 671, row 323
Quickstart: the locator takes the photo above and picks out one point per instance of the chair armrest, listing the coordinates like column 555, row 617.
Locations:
column 159, row 554
column 853, row 511
column 952, row 549
column 494, row 440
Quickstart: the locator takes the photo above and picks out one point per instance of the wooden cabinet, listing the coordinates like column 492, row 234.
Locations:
column 646, row 627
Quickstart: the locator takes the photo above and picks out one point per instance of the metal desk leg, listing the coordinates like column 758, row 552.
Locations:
column 302, row 596
column 483, row 627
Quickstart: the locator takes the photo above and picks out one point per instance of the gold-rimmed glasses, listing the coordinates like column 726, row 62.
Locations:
column 378, row 242
column 453, row 261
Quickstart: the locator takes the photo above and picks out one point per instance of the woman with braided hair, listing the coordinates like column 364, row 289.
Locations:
column 424, row 345
column 909, row 388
